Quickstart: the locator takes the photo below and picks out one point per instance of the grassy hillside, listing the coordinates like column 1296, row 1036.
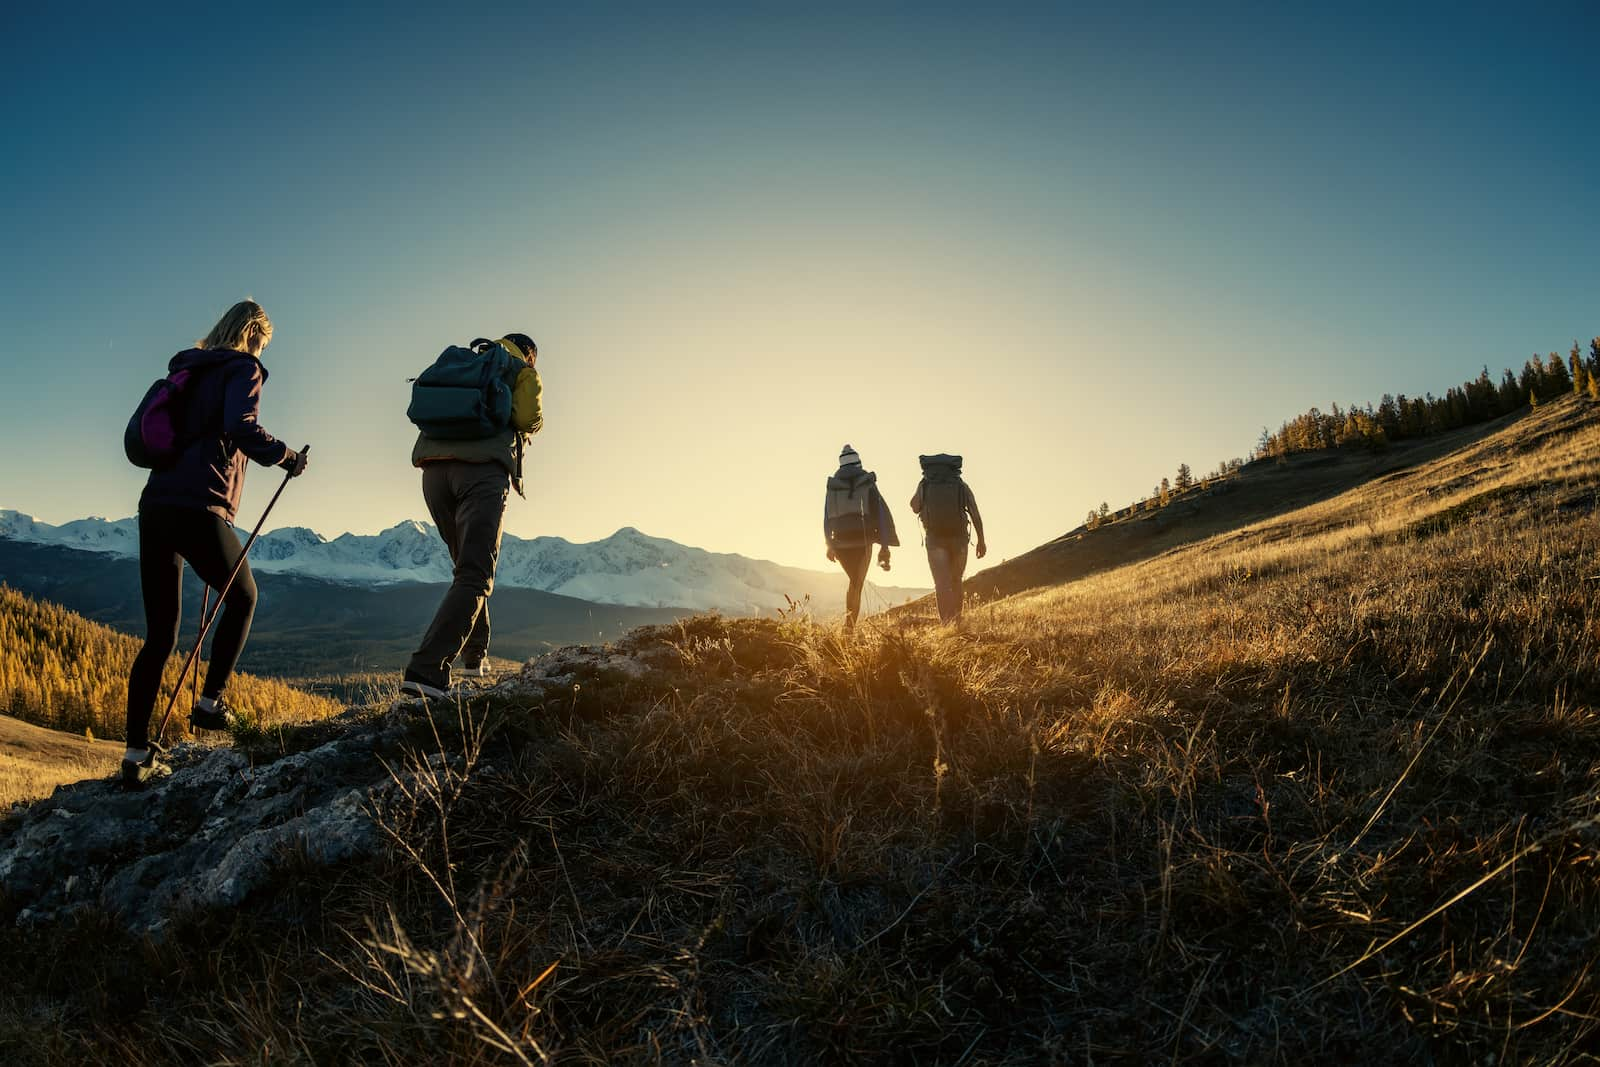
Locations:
column 1260, row 490
column 34, row 760
column 1324, row 788
column 60, row 670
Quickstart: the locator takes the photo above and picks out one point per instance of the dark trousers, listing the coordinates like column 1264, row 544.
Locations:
column 468, row 504
column 167, row 537
column 947, row 559
column 856, row 563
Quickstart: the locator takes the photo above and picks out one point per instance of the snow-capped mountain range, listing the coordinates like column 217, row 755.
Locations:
column 628, row 567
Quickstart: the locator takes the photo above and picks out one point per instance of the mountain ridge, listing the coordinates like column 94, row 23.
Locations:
column 628, row 568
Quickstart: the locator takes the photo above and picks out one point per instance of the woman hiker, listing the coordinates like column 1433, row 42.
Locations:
column 854, row 518
column 186, row 513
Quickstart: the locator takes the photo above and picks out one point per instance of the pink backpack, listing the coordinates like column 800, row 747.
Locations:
column 155, row 436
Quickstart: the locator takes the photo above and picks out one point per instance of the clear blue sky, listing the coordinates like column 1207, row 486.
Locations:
column 1077, row 246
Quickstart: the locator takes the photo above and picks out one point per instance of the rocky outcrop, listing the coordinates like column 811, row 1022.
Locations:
column 216, row 830
column 224, row 825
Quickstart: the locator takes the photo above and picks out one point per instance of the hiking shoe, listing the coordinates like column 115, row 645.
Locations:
column 480, row 669
column 136, row 773
column 416, row 687
column 219, row 716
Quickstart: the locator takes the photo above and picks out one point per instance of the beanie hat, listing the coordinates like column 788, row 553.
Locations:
column 848, row 457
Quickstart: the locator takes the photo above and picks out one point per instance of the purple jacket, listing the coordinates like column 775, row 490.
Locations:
column 221, row 406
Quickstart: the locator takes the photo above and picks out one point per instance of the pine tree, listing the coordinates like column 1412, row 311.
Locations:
column 1481, row 396
column 1164, row 492
column 1104, row 512
column 1388, row 415
column 1185, row 478
column 1510, row 395
column 1532, row 377
column 1557, row 379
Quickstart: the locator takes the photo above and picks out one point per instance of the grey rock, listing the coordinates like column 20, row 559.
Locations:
column 560, row 669
column 214, row 832
column 222, row 829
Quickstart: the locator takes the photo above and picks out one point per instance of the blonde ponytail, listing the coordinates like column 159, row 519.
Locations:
column 242, row 325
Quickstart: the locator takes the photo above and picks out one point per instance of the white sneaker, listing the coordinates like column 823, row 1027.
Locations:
column 412, row 687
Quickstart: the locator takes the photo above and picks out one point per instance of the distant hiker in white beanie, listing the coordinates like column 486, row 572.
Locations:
column 854, row 518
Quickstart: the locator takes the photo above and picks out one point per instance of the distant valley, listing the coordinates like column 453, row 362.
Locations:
column 629, row 568
column 358, row 604
column 307, row 627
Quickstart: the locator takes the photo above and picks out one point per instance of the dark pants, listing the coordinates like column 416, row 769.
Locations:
column 468, row 504
column 167, row 537
column 947, row 559
column 856, row 563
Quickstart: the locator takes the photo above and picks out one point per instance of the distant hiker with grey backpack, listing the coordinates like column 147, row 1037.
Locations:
column 854, row 518
column 474, row 409
column 945, row 504
column 195, row 430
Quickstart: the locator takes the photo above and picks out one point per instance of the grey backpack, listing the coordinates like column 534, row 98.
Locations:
column 849, row 520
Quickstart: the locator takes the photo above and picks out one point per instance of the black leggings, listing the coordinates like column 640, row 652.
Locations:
column 167, row 537
column 856, row 561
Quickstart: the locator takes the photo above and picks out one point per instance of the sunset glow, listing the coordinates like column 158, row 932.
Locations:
column 1077, row 249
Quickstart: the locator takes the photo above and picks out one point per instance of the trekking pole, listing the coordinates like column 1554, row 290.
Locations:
column 205, row 624
column 194, row 654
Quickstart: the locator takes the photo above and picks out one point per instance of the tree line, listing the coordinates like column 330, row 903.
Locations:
column 1396, row 417
column 60, row 670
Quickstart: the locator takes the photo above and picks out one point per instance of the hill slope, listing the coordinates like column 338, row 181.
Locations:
column 34, row 760
column 1320, row 789
column 1260, row 490
column 65, row 672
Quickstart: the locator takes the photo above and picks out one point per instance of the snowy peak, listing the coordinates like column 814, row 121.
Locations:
column 93, row 534
column 627, row 568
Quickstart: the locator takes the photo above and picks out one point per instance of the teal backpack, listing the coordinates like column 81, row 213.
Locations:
column 466, row 394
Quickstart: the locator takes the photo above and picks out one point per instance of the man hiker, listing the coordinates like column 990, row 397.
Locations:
column 945, row 503
column 470, row 450
column 854, row 518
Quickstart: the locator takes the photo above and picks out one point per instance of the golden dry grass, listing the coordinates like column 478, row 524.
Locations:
column 33, row 760
column 63, row 671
